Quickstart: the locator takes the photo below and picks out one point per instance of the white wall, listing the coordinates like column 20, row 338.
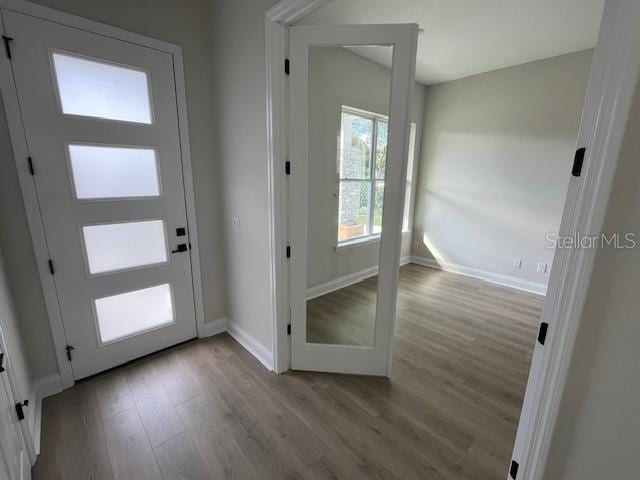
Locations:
column 185, row 23
column 597, row 435
column 496, row 156
column 239, row 100
column 339, row 77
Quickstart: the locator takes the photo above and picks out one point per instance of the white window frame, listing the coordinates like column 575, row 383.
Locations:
column 372, row 237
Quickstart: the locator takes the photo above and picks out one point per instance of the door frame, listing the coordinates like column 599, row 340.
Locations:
column 613, row 77
column 27, row 184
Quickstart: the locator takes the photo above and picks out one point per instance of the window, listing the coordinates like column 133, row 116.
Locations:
column 362, row 157
column 406, row 215
column 97, row 89
column 105, row 172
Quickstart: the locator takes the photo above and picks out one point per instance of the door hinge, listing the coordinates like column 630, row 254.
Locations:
column 69, row 349
column 2, row 362
column 287, row 167
column 542, row 333
column 578, row 158
column 20, row 409
column 7, row 45
column 30, row 163
column 51, row 269
column 288, row 251
column 286, row 66
column 289, row 329
column 513, row 471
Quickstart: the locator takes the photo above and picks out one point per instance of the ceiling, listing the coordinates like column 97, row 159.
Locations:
column 467, row 37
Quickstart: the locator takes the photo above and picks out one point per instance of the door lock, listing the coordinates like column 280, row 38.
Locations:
column 182, row 247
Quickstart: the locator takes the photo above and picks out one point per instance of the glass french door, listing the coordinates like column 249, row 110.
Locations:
column 349, row 94
column 101, row 123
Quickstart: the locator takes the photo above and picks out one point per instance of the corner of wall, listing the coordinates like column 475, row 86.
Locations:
column 44, row 387
column 214, row 327
column 249, row 342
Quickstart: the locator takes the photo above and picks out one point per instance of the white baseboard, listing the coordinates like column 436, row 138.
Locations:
column 346, row 280
column 44, row 387
column 250, row 344
column 491, row 277
column 214, row 327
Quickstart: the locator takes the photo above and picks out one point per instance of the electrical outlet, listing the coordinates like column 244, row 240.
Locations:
column 517, row 263
column 235, row 223
column 542, row 268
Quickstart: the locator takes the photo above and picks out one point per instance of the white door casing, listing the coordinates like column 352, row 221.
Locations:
column 72, row 217
column 375, row 360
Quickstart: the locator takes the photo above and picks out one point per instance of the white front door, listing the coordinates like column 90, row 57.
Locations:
column 350, row 89
column 102, row 130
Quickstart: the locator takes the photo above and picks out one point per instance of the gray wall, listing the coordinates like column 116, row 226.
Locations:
column 496, row 157
column 185, row 23
column 598, row 431
column 240, row 127
column 339, row 77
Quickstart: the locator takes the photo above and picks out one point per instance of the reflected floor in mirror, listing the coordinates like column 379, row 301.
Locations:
column 344, row 317
column 208, row 409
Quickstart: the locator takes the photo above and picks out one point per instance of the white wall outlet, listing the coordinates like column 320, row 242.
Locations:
column 517, row 263
column 235, row 223
column 542, row 268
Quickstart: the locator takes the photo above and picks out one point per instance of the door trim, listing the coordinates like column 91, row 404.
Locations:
column 27, row 185
column 605, row 113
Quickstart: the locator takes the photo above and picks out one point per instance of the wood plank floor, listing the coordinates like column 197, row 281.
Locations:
column 208, row 410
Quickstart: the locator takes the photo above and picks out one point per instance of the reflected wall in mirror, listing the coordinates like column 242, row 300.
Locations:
column 348, row 128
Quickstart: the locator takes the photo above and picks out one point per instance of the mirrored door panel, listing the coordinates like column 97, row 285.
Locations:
column 349, row 91
column 348, row 99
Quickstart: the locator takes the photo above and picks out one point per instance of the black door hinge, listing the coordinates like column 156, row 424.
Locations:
column 20, row 409
column 7, row 45
column 289, row 329
column 69, row 349
column 2, row 362
column 286, row 66
column 513, row 471
column 52, row 271
column 30, row 163
column 578, row 158
column 288, row 251
column 287, row 167
column 542, row 333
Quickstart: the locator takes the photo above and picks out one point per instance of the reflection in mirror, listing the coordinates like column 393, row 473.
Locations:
column 348, row 128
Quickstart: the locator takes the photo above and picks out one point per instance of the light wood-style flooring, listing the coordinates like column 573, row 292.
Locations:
column 208, row 410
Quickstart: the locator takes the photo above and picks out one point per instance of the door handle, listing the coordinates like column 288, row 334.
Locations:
column 20, row 409
column 182, row 247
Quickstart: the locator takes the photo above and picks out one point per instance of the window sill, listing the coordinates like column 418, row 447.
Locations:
column 361, row 242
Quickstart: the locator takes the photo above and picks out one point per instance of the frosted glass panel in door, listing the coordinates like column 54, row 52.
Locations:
column 118, row 246
column 104, row 172
column 126, row 314
column 95, row 88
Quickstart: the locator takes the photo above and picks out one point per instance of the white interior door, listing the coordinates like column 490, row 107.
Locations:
column 101, row 123
column 12, row 451
column 350, row 89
